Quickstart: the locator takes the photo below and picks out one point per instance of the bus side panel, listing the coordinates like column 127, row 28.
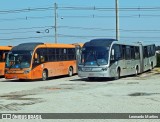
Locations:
column 59, row 68
column 2, row 65
column 37, row 72
column 53, row 69
column 146, row 64
column 154, row 61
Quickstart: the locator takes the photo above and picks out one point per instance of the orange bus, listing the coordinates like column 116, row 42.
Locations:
column 40, row 61
column 3, row 53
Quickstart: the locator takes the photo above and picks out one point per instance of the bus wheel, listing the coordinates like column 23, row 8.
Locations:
column 70, row 71
column 44, row 75
column 151, row 65
column 118, row 74
column 136, row 71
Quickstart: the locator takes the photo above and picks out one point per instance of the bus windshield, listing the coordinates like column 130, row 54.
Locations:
column 19, row 59
column 95, row 56
column 1, row 53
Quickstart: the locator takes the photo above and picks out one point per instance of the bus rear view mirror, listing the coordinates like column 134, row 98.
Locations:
column 112, row 52
column 35, row 56
column 3, row 56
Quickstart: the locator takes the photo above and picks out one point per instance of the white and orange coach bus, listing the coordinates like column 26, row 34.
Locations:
column 3, row 53
column 40, row 61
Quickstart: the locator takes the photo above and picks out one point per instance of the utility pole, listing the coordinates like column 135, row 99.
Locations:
column 55, row 22
column 117, row 20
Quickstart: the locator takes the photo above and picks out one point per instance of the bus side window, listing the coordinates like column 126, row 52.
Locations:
column 132, row 52
column 128, row 52
column 116, row 53
column 0, row 58
column 3, row 55
column 42, row 59
column 152, row 50
column 145, row 52
column 123, row 51
column 36, row 58
column 51, row 54
column 137, row 53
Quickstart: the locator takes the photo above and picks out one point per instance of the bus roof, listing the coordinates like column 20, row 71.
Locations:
column 26, row 46
column 99, row 42
column 5, row 47
column 32, row 45
column 49, row 45
column 78, row 44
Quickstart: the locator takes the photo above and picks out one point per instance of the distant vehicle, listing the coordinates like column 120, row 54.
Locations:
column 3, row 53
column 40, row 61
column 113, row 59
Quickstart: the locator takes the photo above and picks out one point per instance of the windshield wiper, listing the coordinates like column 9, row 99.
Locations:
column 11, row 65
column 91, row 53
column 87, row 57
column 20, row 61
column 96, row 59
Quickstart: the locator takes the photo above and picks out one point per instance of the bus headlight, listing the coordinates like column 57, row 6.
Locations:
column 79, row 68
column 27, row 71
column 6, row 72
column 104, row 69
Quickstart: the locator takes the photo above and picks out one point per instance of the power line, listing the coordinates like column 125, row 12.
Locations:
column 25, row 18
column 111, row 8
column 30, row 29
column 84, row 16
column 22, row 38
column 101, row 36
column 79, row 36
column 25, row 10
column 104, row 29
column 85, row 28
column 80, row 8
column 8, row 29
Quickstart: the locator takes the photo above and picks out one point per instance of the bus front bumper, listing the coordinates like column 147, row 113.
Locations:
column 94, row 74
column 17, row 76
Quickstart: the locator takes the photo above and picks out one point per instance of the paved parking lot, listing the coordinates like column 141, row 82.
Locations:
column 75, row 95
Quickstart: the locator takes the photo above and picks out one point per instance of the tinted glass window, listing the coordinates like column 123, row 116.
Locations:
column 137, row 53
column 55, row 54
column 95, row 55
column 145, row 52
column 3, row 52
column 128, row 52
column 18, row 59
column 117, row 51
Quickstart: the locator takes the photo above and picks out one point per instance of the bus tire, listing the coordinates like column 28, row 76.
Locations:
column 70, row 71
column 118, row 74
column 137, row 69
column 152, row 66
column 44, row 75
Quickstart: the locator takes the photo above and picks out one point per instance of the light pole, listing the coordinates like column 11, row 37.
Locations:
column 55, row 22
column 117, row 20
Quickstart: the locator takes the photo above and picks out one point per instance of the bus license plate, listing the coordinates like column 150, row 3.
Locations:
column 15, row 77
column 91, row 75
column 87, row 69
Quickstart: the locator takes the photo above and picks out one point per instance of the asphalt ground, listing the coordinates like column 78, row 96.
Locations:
column 133, row 94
